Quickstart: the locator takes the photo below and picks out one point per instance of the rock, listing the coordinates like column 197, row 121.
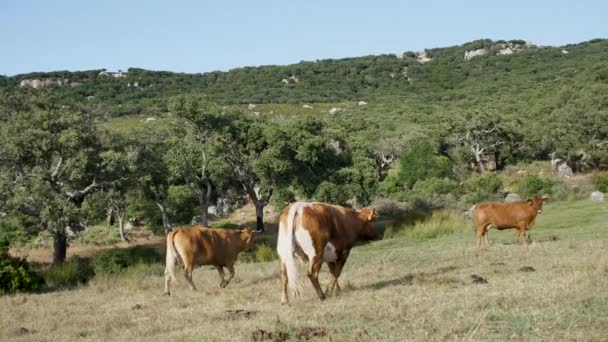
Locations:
column 212, row 210
column 307, row 106
column 362, row 103
column 565, row 52
column 597, row 196
column 41, row 83
column 527, row 269
column 512, row 197
column 150, row 119
column 506, row 51
column 469, row 212
column 251, row 106
column 478, row 280
column 521, row 172
column 564, row 171
column 468, row 55
column 423, row 57
column 334, row 110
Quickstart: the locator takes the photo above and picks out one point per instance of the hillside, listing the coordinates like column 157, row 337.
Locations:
column 511, row 73
column 396, row 289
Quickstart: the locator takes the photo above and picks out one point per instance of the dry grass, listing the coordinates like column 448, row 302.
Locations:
column 396, row 289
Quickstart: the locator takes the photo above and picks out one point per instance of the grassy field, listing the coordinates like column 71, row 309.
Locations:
column 397, row 289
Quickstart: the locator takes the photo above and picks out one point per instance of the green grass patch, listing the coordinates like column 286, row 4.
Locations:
column 440, row 223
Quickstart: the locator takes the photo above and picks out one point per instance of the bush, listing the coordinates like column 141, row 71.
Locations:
column 266, row 253
column 420, row 163
column 99, row 235
column 531, row 185
column 224, row 224
column 180, row 200
column 600, row 181
column 437, row 192
column 71, row 273
column 118, row 260
column 441, row 223
column 482, row 187
column 16, row 275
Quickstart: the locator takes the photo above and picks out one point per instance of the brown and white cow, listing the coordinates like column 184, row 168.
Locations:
column 198, row 246
column 501, row 216
column 317, row 233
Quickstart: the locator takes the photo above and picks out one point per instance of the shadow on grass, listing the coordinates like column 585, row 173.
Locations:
column 408, row 279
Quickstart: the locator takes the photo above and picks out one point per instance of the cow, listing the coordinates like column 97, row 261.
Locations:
column 197, row 246
column 317, row 233
column 520, row 215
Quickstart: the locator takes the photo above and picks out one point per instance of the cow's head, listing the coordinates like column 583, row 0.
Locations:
column 368, row 231
column 248, row 235
column 537, row 202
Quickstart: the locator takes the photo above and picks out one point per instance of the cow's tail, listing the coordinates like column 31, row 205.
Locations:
column 286, row 248
column 172, row 256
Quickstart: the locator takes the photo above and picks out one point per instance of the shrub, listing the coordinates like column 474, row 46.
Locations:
column 16, row 275
column 441, row 223
column 99, row 235
column 71, row 273
column 180, row 200
column 481, row 187
column 531, row 185
column 265, row 253
column 118, row 260
column 420, row 163
column 436, row 191
column 600, row 181
column 224, row 224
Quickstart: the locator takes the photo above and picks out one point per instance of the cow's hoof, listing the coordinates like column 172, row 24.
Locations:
column 166, row 294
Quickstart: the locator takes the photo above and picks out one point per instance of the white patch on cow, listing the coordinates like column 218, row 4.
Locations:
column 329, row 255
column 304, row 240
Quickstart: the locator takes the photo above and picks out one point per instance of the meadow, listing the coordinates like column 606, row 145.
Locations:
column 417, row 285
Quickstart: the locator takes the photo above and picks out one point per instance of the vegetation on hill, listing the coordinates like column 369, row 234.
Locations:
column 428, row 130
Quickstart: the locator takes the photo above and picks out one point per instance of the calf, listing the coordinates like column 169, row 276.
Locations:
column 501, row 216
column 317, row 233
column 198, row 246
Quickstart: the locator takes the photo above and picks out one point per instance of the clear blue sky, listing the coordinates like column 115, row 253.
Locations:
column 200, row 36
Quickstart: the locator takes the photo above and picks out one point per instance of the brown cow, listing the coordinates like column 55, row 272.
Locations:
column 199, row 246
column 317, row 233
column 501, row 216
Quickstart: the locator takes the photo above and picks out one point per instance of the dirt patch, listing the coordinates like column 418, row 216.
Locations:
column 22, row 331
column 137, row 307
column 527, row 269
column 301, row 334
column 240, row 313
column 497, row 264
column 306, row 333
column 478, row 280
column 264, row 335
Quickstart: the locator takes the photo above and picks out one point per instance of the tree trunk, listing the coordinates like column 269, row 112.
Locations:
column 110, row 217
column 204, row 205
column 165, row 216
column 259, row 216
column 121, row 224
column 478, row 152
column 60, row 248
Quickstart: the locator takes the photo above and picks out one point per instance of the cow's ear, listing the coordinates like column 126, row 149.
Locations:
column 530, row 201
column 372, row 215
column 545, row 199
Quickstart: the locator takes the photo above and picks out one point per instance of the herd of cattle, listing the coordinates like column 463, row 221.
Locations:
column 317, row 233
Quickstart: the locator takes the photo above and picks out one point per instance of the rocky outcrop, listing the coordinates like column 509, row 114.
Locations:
column 423, row 57
column 468, row 55
column 512, row 197
column 597, row 196
column 41, row 83
column 291, row 79
column 335, row 110
column 361, row 103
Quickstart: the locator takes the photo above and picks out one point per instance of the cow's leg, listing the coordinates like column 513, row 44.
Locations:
column 220, row 270
column 485, row 237
column 284, row 296
column 169, row 271
column 231, row 275
column 480, row 229
column 517, row 234
column 522, row 229
column 188, row 274
column 313, row 274
column 335, row 268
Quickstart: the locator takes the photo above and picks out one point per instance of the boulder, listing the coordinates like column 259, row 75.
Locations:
column 512, row 197
column 362, row 103
column 150, row 119
column 251, row 106
column 597, row 196
column 469, row 212
column 334, row 110
column 565, row 52
column 307, row 106
column 423, row 57
column 563, row 170
column 468, row 55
